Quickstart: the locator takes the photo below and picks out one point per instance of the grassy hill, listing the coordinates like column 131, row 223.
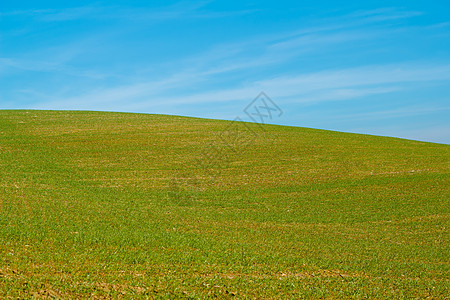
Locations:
column 96, row 204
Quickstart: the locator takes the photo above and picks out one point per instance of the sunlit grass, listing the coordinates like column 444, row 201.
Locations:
column 110, row 204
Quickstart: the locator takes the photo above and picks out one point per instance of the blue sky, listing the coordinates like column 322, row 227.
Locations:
column 376, row 67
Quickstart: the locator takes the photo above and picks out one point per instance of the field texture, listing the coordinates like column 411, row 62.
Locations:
column 115, row 205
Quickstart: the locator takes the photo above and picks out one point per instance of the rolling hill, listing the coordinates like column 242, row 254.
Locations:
column 101, row 204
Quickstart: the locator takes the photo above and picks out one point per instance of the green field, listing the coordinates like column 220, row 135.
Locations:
column 118, row 205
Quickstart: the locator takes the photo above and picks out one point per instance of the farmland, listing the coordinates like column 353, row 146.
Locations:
column 120, row 205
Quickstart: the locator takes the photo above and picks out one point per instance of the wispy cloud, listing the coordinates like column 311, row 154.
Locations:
column 183, row 9
column 47, row 66
column 343, row 84
column 270, row 49
column 360, row 76
column 384, row 14
column 400, row 112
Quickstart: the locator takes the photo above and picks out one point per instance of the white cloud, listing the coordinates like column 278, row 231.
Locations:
column 314, row 87
column 182, row 9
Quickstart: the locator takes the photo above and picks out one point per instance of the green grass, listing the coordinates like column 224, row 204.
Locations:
column 120, row 205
